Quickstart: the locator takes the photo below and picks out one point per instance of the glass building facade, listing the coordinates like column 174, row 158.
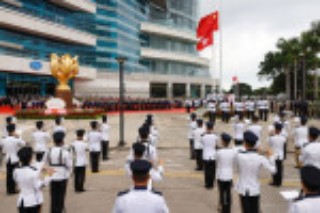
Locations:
column 116, row 25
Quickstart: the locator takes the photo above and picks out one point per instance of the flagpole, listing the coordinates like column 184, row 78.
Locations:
column 213, row 66
column 221, row 62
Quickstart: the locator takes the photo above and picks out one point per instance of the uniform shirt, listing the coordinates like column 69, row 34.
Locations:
column 249, row 106
column 225, row 162
column 249, row 164
column 192, row 127
column 105, row 128
column 209, row 142
column 309, row 204
column 238, row 106
column 225, row 106
column 211, row 107
column 260, row 104
column 10, row 147
column 239, row 128
column 197, row 134
column 80, row 149
column 140, row 200
column 41, row 138
column 59, row 158
column 300, row 136
column 257, row 130
column 59, row 128
column 265, row 104
column 94, row 139
column 311, row 154
column 276, row 142
column 30, row 185
column 150, row 153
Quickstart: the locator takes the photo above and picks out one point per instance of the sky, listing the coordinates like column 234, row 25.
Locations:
column 251, row 28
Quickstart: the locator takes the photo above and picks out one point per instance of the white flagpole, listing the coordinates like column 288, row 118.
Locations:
column 221, row 46
column 212, row 65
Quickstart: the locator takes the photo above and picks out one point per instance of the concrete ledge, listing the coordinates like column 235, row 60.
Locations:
column 82, row 5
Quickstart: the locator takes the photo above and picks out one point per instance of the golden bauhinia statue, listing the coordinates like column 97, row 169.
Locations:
column 63, row 69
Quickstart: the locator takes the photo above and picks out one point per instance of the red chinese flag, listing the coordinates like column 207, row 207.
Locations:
column 235, row 79
column 208, row 24
column 204, row 42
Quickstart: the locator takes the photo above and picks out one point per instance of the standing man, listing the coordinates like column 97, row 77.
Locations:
column 80, row 149
column 250, row 107
column 310, row 183
column 300, row 135
column 105, row 130
column 256, row 128
column 58, row 127
column 225, row 162
column 60, row 160
column 10, row 147
column 239, row 107
column 197, row 134
column 41, row 139
column 225, row 110
column 249, row 163
column 211, row 109
column 192, row 128
column 265, row 109
column 94, row 139
column 260, row 105
column 311, row 151
column 209, row 142
column 140, row 199
column 276, row 143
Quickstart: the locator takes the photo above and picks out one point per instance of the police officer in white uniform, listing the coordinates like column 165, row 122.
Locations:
column 41, row 139
column 249, row 163
column 29, row 182
column 239, row 108
column 225, row 161
column 209, row 143
column 309, row 202
column 260, row 105
column 94, row 139
column 300, row 135
column 140, row 199
column 58, row 127
column 225, row 110
column 60, row 160
column 239, row 127
column 10, row 147
column 256, row 128
column 250, row 108
column 310, row 154
column 105, row 130
column 276, row 143
column 80, row 148
column 265, row 109
column 211, row 110
column 192, row 127
column 197, row 135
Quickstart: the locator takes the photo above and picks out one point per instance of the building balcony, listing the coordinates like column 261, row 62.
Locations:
column 78, row 5
column 173, row 56
column 32, row 25
column 24, row 65
column 168, row 31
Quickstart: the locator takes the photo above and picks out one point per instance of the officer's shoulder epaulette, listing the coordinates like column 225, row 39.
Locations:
column 123, row 192
column 305, row 145
column 33, row 168
column 156, row 192
column 242, row 152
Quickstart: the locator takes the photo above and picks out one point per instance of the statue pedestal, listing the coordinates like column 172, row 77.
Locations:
column 65, row 95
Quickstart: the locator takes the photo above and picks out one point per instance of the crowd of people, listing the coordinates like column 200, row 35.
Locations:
column 217, row 154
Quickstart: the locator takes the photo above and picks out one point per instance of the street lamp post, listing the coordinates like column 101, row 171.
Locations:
column 121, row 61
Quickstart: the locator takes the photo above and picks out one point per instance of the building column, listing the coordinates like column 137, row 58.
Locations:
column 188, row 90
column 169, row 90
column 203, row 90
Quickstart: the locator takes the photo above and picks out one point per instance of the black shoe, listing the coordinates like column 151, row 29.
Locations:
column 198, row 169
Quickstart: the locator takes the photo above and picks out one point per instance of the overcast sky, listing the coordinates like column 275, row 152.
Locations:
column 252, row 27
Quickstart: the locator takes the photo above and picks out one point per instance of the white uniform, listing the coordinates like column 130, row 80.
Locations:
column 249, row 105
column 197, row 134
column 225, row 162
column 211, row 107
column 80, row 148
column 60, row 160
column 105, row 130
column 257, row 130
column 239, row 128
column 239, row 106
column 41, row 139
column 10, row 147
column 248, row 164
column 276, row 143
column 140, row 201
column 94, row 139
column 30, row 184
column 209, row 143
column 225, row 106
column 192, row 128
column 300, row 135
column 310, row 154
column 260, row 104
column 309, row 204
column 59, row 128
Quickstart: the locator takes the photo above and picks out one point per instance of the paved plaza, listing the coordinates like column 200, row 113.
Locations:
column 183, row 187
